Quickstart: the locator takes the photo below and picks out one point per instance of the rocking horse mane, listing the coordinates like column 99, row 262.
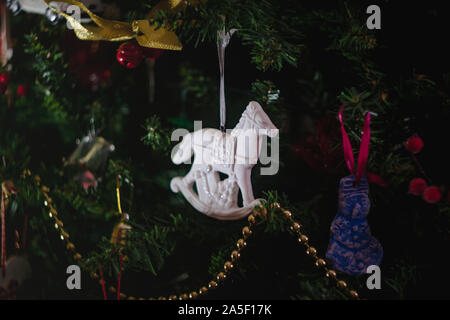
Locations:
column 248, row 114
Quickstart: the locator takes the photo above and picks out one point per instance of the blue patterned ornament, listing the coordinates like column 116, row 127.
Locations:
column 352, row 247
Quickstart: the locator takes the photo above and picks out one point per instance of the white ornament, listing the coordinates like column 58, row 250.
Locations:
column 6, row 48
column 40, row 7
column 233, row 154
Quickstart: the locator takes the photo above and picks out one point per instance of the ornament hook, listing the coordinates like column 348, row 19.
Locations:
column 223, row 38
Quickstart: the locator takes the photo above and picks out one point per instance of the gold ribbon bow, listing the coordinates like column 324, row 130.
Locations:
column 114, row 30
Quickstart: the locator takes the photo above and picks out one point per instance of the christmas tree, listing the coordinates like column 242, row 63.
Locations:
column 91, row 96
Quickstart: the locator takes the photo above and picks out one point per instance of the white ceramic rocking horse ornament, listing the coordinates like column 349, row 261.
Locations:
column 233, row 154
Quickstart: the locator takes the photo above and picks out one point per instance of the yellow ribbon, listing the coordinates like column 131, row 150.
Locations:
column 114, row 30
column 120, row 229
column 118, row 195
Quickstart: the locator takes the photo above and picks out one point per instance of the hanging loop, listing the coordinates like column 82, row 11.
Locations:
column 223, row 38
column 363, row 148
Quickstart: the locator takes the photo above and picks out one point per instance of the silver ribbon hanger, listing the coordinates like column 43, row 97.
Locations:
column 223, row 38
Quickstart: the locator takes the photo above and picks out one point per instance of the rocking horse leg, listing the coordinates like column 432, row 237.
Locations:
column 243, row 175
column 187, row 181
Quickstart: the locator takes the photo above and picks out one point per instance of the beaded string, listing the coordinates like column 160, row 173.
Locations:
column 228, row 265
column 319, row 262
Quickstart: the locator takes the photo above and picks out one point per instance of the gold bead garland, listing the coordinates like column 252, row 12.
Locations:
column 228, row 265
column 221, row 276
column 311, row 251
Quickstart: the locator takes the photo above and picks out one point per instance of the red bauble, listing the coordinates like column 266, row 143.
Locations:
column 432, row 194
column 130, row 54
column 417, row 186
column 152, row 53
column 414, row 144
column 22, row 90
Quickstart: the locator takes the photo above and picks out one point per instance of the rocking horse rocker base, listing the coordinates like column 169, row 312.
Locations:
column 214, row 152
column 210, row 208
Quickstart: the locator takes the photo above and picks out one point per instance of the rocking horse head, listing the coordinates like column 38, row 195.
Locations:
column 254, row 117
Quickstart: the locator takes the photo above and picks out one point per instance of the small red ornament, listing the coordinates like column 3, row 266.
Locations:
column 414, row 144
column 5, row 77
column 130, row 54
column 22, row 90
column 417, row 186
column 432, row 194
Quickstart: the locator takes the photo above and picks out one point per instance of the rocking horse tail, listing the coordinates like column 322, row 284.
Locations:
column 182, row 151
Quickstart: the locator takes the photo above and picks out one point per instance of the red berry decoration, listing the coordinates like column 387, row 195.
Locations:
column 22, row 90
column 417, row 186
column 414, row 144
column 432, row 194
column 130, row 54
